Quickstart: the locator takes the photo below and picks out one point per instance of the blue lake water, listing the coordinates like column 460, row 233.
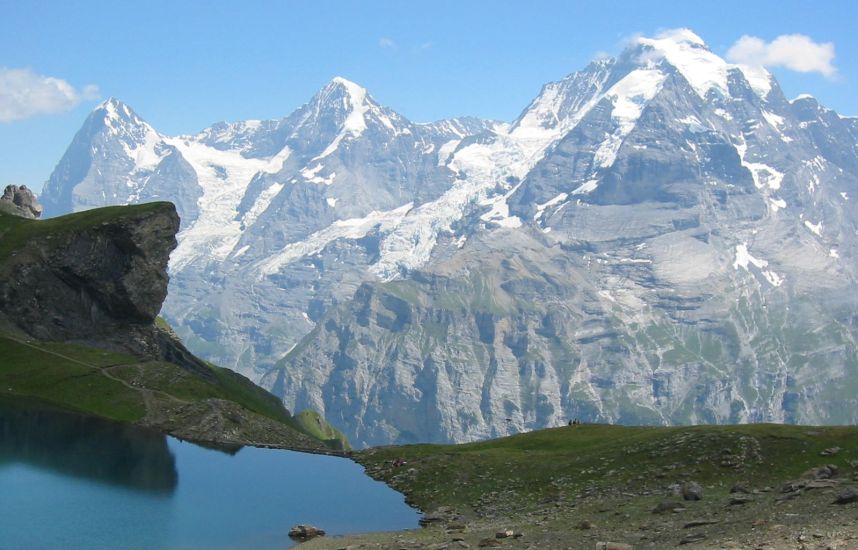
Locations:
column 68, row 481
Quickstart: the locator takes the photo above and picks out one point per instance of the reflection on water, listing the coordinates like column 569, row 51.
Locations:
column 86, row 447
column 68, row 481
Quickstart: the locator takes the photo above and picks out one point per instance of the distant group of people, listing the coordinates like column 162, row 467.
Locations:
column 574, row 422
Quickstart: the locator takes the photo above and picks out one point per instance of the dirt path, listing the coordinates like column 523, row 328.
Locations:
column 146, row 394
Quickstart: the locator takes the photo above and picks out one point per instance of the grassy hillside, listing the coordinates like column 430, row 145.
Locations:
column 16, row 231
column 763, row 486
column 155, row 393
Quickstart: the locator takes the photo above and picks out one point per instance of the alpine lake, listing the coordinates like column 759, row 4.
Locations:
column 71, row 481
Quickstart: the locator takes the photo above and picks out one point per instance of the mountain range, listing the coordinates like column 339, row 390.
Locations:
column 661, row 238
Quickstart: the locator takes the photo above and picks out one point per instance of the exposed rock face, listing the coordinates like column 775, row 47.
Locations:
column 99, row 280
column 20, row 201
column 658, row 238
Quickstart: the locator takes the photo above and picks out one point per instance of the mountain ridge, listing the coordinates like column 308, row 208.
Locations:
column 652, row 203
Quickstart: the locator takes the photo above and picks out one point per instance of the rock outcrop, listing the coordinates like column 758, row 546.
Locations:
column 20, row 201
column 94, row 277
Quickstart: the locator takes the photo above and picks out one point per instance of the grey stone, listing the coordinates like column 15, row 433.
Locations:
column 847, row 496
column 20, row 201
column 304, row 532
column 691, row 490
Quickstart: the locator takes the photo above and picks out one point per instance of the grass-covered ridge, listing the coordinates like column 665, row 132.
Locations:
column 577, row 487
column 157, row 393
column 563, row 462
column 15, row 231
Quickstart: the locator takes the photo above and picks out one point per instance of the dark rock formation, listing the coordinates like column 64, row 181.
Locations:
column 305, row 532
column 98, row 277
column 20, row 201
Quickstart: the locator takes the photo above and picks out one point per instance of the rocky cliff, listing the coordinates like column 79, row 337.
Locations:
column 97, row 277
column 79, row 299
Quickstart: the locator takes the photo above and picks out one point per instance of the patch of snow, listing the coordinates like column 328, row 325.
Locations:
column 263, row 201
column 332, row 202
column 815, row 228
column 723, row 114
column 801, row 96
column 703, row 69
column 844, row 196
column 540, row 208
column 275, row 163
column 145, row 155
column 758, row 78
column 353, row 228
column 223, row 177
column 606, row 294
column 833, row 253
column 635, row 261
column 483, row 168
column 763, row 174
column 777, row 204
column 311, row 175
column 446, row 150
column 499, row 212
column 586, row 187
column 744, row 259
column 773, row 119
column 693, row 123
column 688, row 53
column 629, row 96
column 241, row 251
column 460, row 242
column 355, row 123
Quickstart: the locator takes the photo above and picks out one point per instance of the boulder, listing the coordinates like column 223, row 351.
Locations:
column 847, row 496
column 304, row 532
column 20, row 201
column 691, row 490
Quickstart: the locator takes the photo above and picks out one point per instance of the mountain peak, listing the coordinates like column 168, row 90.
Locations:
column 116, row 113
column 705, row 71
column 355, row 92
column 680, row 36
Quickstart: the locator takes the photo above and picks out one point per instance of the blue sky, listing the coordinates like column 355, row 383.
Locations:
column 183, row 65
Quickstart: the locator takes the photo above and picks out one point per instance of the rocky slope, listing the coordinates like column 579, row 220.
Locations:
column 612, row 487
column 662, row 237
column 280, row 218
column 79, row 296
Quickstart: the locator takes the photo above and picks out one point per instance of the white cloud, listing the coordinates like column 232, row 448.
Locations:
column 24, row 93
column 387, row 43
column 796, row 52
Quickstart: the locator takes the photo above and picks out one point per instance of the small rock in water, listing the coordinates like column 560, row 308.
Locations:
column 305, row 532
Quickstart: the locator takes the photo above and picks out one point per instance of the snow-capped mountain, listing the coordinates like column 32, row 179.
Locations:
column 662, row 237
